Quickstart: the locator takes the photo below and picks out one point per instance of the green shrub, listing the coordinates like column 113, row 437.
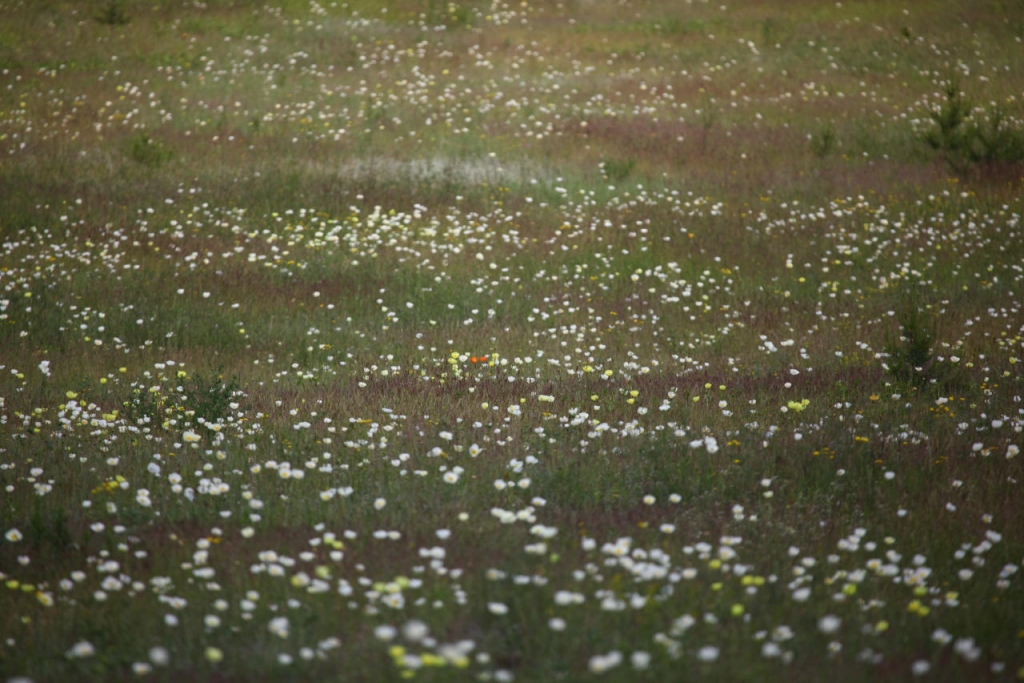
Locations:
column 617, row 170
column 910, row 353
column 112, row 13
column 198, row 396
column 451, row 14
column 143, row 406
column 824, row 141
column 996, row 141
column 208, row 396
column 965, row 137
column 144, row 150
column 708, row 117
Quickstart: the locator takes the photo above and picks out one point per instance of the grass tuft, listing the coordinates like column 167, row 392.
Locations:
column 112, row 13
column 144, row 150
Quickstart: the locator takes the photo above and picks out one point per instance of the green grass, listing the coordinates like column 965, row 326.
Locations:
column 583, row 336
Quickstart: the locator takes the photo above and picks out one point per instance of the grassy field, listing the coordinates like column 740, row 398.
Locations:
column 535, row 341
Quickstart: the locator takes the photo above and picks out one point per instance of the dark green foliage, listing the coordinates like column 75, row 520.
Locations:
column 451, row 14
column 208, row 396
column 143, row 406
column 53, row 531
column 112, row 13
column 617, row 170
column 199, row 397
column 824, row 141
column 460, row 16
column 996, row 141
column 963, row 139
column 768, row 33
column 146, row 151
column 708, row 117
column 949, row 137
column 910, row 354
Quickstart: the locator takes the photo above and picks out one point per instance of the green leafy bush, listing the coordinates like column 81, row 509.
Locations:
column 146, row 151
column 209, row 396
column 965, row 136
column 824, row 141
column 112, row 13
column 910, row 353
column 199, row 396
column 617, row 170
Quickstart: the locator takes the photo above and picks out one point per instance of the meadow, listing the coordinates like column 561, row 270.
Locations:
column 495, row 340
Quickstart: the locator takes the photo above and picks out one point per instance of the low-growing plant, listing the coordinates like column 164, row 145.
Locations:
column 949, row 136
column 965, row 136
column 768, row 33
column 708, row 117
column 52, row 531
column 617, row 170
column 996, row 140
column 144, row 150
column 143, row 406
column 910, row 353
column 459, row 16
column 824, row 141
column 208, row 396
column 201, row 397
column 112, row 13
